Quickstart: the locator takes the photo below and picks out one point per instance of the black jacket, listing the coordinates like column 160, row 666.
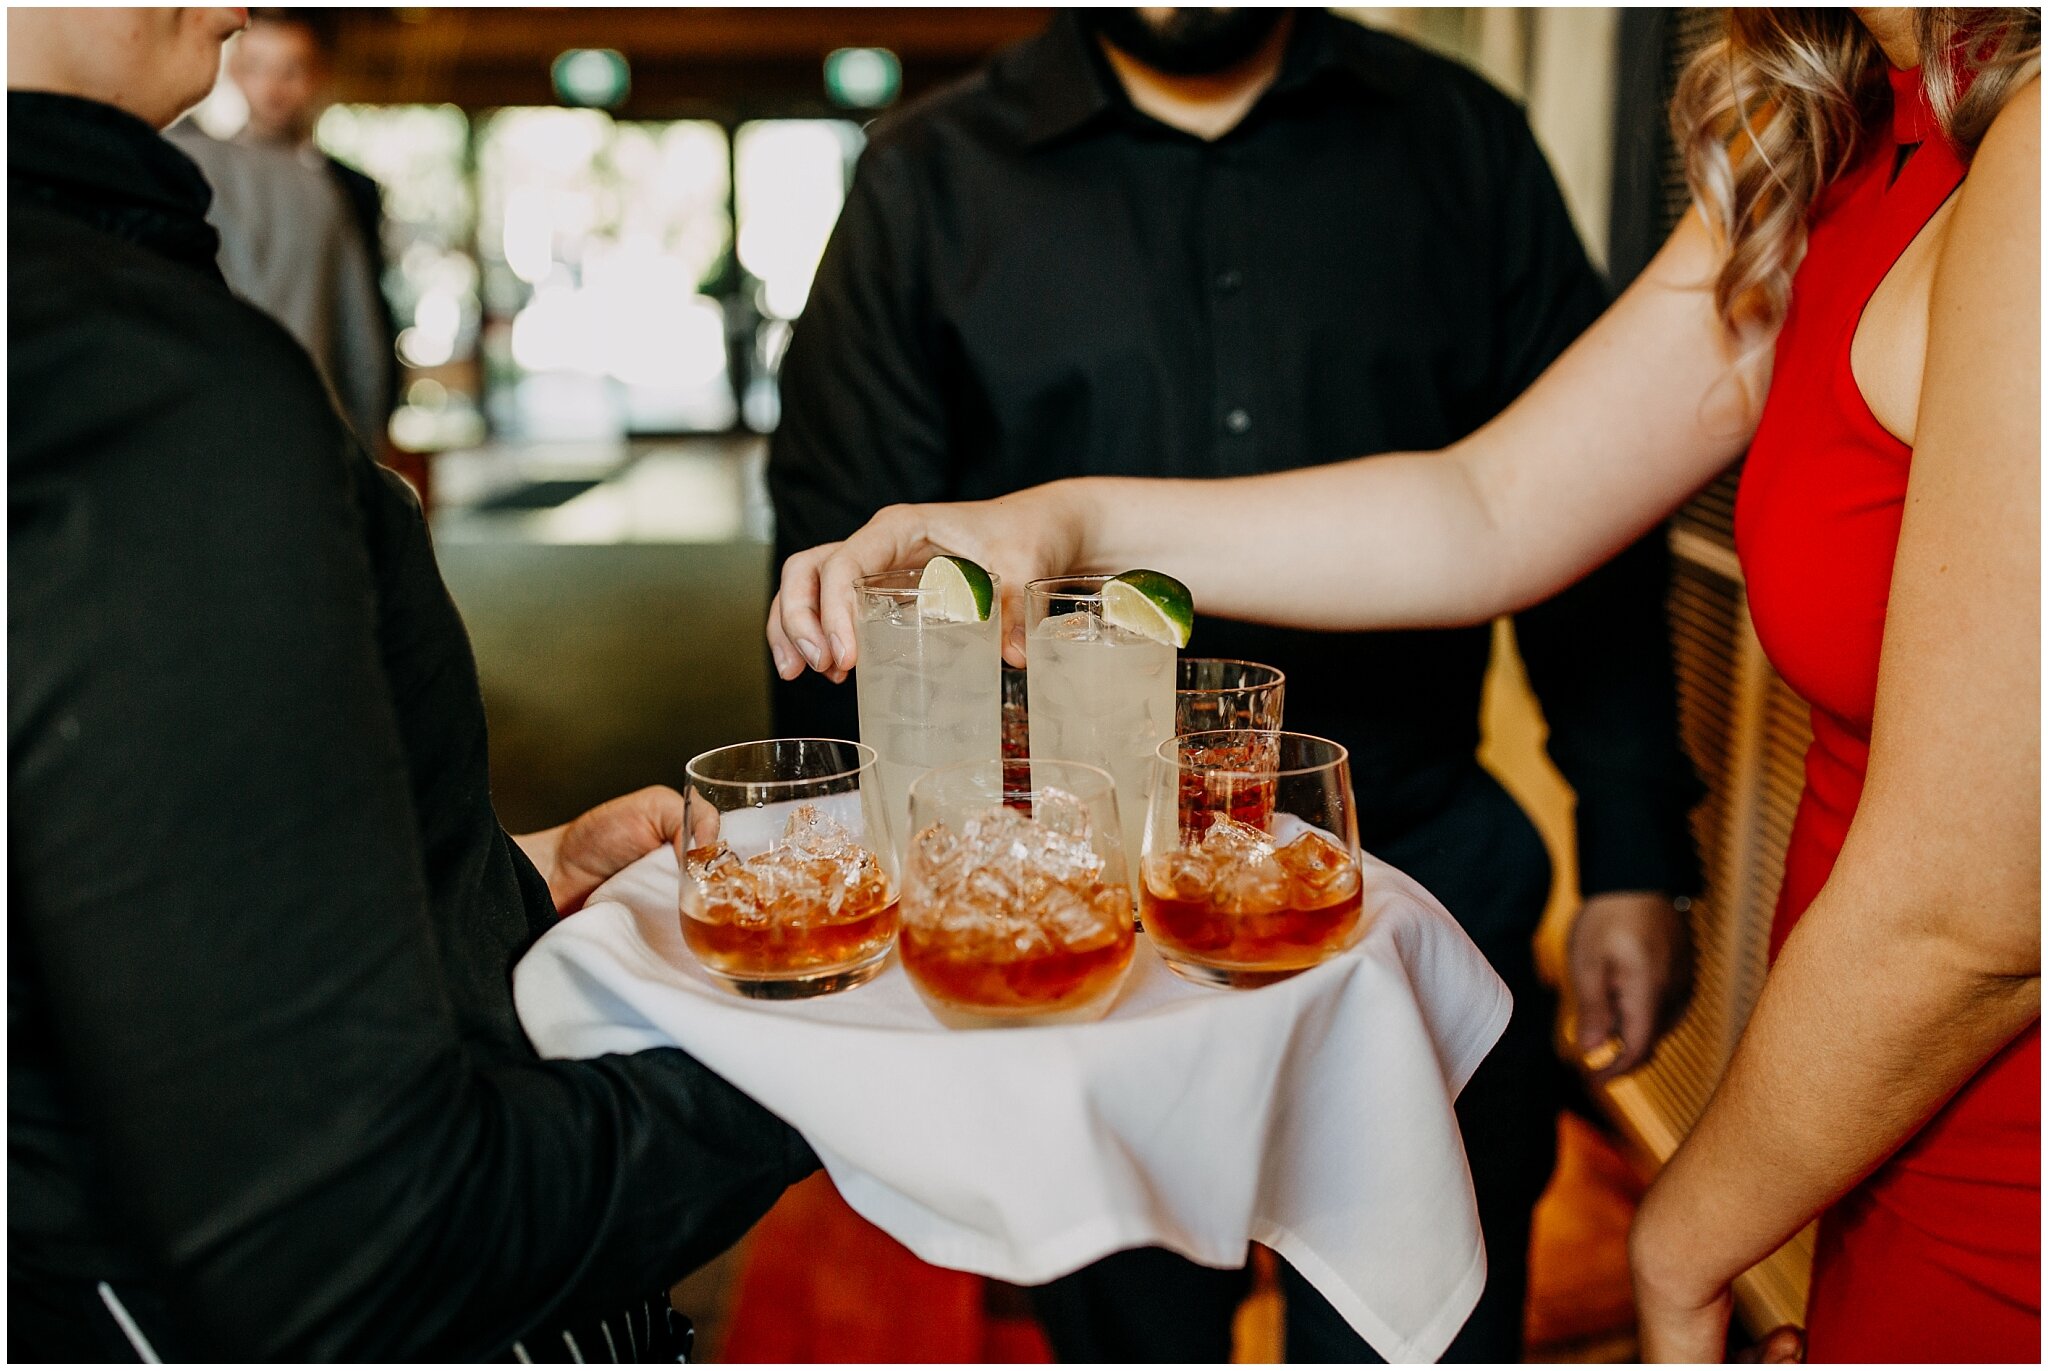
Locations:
column 264, row 1073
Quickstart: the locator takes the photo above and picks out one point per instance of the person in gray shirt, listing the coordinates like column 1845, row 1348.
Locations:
column 289, row 246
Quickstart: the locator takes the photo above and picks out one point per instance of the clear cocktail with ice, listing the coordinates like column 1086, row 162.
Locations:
column 1016, row 907
column 1251, row 869
column 788, row 867
column 930, row 686
column 1099, row 694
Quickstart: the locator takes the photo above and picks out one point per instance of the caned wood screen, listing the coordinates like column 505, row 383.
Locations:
column 1746, row 732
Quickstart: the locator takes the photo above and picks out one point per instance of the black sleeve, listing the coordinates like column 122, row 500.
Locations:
column 366, row 209
column 215, row 868
column 1599, row 653
column 864, row 421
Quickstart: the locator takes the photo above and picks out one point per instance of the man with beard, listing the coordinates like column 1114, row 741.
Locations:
column 1219, row 242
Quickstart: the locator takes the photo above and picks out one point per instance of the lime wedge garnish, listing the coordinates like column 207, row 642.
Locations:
column 956, row 591
column 1150, row 603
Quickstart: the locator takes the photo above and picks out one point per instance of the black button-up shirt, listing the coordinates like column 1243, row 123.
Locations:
column 1032, row 279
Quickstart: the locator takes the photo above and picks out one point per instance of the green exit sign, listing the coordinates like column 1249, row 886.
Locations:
column 862, row 78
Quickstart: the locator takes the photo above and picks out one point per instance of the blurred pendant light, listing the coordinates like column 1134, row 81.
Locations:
column 862, row 78
column 595, row 78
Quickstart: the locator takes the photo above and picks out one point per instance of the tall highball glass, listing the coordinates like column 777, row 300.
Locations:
column 1099, row 694
column 930, row 688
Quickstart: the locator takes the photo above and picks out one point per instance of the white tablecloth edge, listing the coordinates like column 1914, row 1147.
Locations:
column 1086, row 1243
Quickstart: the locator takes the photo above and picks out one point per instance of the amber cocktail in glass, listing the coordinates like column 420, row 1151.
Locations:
column 1016, row 906
column 788, row 869
column 1251, row 870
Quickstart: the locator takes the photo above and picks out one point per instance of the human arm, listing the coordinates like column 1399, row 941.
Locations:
column 1598, row 659
column 217, row 878
column 1920, row 957
column 1633, row 418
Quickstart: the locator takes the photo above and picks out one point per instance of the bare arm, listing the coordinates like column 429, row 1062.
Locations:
column 1921, row 956
column 1639, row 413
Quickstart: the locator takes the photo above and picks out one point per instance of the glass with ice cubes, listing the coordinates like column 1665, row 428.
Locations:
column 1251, row 866
column 1099, row 694
column 1016, row 905
column 929, row 683
column 789, row 868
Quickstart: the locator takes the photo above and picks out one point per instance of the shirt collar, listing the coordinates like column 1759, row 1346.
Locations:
column 1060, row 82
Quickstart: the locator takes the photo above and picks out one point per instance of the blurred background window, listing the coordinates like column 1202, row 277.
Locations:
column 419, row 155
column 561, row 275
column 791, row 176
column 605, row 248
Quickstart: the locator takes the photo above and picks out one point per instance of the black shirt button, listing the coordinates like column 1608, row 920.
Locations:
column 1237, row 422
column 1228, row 280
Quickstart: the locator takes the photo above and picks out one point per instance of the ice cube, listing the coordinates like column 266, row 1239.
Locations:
column 1113, row 902
column 1078, row 627
column 1235, row 840
column 793, row 889
column 1010, row 886
column 866, row 887
column 899, row 611
column 1026, row 938
column 816, row 834
column 1077, row 922
column 934, row 853
column 985, row 835
column 1115, row 635
column 725, row 906
column 709, row 864
column 753, row 916
column 992, row 888
column 1324, row 871
column 1063, row 860
column 725, row 884
column 1061, row 812
column 1185, row 875
column 1260, row 886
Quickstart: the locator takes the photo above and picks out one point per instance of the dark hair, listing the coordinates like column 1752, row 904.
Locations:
column 323, row 26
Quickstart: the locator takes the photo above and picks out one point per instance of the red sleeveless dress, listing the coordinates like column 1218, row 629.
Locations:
column 1937, row 1256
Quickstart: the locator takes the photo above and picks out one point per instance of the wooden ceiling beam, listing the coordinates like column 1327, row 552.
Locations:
column 476, row 57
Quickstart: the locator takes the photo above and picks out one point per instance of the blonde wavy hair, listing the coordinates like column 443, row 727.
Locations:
column 1778, row 106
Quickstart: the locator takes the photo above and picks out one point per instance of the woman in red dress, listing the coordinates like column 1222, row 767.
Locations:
column 1864, row 260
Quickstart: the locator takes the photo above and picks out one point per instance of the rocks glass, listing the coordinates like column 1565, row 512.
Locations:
column 789, row 868
column 1218, row 692
column 1251, row 868
column 1016, row 903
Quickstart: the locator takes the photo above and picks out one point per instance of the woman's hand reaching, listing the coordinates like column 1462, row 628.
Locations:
column 1017, row 538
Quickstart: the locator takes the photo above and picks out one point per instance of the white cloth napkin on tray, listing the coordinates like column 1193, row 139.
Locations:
column 1313, row 1115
